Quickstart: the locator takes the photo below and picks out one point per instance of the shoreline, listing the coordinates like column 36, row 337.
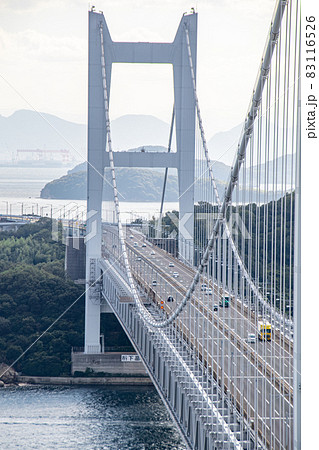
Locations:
column 23, row 380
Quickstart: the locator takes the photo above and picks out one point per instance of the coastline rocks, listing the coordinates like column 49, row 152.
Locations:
column 10, row 375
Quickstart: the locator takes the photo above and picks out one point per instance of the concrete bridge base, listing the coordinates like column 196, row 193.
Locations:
column 87, row 381
column 110, row 363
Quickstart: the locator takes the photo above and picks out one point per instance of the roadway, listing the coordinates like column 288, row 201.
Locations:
column 260, row 371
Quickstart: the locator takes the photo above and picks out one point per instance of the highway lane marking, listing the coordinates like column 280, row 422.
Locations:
column 196, row 309
column 215, row 288
column 244, row 319
column 250, row 364
column 233, row 308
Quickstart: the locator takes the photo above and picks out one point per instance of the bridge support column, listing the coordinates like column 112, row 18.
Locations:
column 185, row 113
column 95, row 175
column 175, row 53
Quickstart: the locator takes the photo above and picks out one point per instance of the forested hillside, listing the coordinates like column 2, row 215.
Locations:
column 34, row 292
column 133, row 184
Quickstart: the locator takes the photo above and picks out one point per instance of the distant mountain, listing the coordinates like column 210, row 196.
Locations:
column 26, row 129
column 276, row 171
column 222, row 146
column 135, row 130
column 79, row 168
column 31, row 130
column 220, row 170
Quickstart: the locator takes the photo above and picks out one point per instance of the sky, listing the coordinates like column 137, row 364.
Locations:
column 43, row 55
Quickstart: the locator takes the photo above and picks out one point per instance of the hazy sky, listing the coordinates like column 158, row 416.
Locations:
column 43, row 54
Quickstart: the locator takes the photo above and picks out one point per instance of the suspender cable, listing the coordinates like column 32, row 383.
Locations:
column 248, row 129
column 249, row 123
column 166, row 172
column 115, row 192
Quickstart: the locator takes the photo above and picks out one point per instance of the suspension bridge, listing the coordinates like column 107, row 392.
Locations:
column 215, row 318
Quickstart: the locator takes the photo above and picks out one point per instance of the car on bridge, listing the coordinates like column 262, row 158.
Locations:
column 224, row 301
column 208, row 291
column 251, row 338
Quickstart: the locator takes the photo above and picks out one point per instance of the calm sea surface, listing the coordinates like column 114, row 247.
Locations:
column 27, row 181
column 20, row 189
column 112, row 418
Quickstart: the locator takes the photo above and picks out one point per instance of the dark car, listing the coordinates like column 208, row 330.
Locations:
column 170, row 299
column 224, row 301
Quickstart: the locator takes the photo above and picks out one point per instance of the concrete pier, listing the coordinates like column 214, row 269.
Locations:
column 86, row 381
column 110, row 363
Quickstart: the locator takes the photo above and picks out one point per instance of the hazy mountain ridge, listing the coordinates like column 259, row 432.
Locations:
column 223, row 145
column 31, row 130
column 136, row 130
column 26, row 129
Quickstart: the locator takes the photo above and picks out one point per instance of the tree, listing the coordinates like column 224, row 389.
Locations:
column 13, row 352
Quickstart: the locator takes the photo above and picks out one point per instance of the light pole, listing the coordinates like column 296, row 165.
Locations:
column 42, row 208
column 21, row 207
column 5, row 201
column 102, row 343
column 71, row 219
column 32, row 208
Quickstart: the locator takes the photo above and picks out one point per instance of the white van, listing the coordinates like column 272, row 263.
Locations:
column 251, row 338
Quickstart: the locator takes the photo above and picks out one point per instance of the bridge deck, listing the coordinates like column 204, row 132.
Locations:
column 257, row 370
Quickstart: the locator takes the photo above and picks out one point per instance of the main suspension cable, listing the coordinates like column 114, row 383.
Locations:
column 242, row 145
column 255, row 103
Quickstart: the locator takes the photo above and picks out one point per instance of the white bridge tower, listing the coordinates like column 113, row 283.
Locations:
column 175, row 53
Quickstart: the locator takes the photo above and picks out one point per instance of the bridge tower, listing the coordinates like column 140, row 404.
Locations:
column 175, row 53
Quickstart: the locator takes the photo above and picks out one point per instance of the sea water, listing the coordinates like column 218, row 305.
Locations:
column 69, row 417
